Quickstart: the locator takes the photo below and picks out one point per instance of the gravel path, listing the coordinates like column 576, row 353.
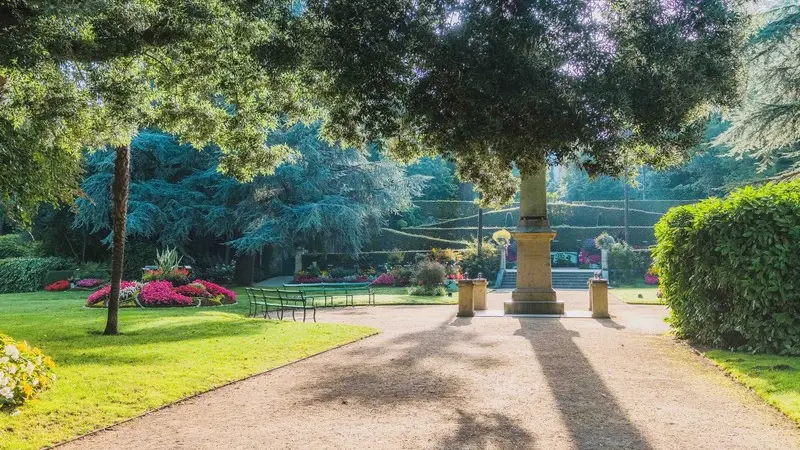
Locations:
column 431, row 380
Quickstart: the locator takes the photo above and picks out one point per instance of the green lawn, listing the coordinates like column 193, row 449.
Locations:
column 775, row 378
column 163, row 355
column 630, row 294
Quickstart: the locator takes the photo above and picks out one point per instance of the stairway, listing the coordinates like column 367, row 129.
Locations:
column 562, row 279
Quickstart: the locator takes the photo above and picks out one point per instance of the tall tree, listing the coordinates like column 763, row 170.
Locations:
column 91, row 74
column 496, row 84
column 326, row 199
column 766, row 126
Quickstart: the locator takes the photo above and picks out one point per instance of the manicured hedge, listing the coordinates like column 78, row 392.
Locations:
column 659, row 206
column 28, row 274
column 560, row 214
column 405, row 240
column 568, row 238
column 16, row 246
column 374, row 259
column 729, row 269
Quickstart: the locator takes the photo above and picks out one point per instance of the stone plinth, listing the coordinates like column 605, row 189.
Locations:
column 598, row 298
column 479, row 294
column 466, row 305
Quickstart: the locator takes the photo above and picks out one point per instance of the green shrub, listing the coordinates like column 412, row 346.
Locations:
column 435, row 291
column 16, row 246
column 729, row 269
column 99, row 270
column 487, row 265
column 137, row 255
column 28, row 274
column 219, row 273
column 429, row 273
column 625, row 264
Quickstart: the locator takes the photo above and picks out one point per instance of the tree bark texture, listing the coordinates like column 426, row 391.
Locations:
column 119, row 197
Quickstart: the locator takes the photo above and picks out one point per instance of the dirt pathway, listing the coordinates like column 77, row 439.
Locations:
column 431, row 380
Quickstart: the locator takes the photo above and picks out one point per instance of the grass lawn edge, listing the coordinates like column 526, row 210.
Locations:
column 742, row 379
column 197, row 394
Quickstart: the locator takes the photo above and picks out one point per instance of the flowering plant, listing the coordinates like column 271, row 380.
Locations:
column 193, row 290
column 216, row 290
column 161, row 293
column 61, row 285
column 24, row 372
column 651, row 277
column 455, row 276
column 604, row 241
column 89, row 282
column 127, row 291
column 384, row 279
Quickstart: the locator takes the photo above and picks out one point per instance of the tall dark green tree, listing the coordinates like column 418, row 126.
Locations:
column 766, row 125
column 325, row 199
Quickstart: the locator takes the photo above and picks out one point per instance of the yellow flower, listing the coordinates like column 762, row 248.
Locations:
column 27, row 389
column 48, row 361
column 23, row 346
column 43, row 380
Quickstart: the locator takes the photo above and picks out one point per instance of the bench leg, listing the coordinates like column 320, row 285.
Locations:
column 293, row 318
column 315, row 314
column 304, row 315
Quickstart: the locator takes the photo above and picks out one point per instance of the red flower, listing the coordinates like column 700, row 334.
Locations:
column 192, row 291
column 61, row 285
column 161, row 293
column 215, row 290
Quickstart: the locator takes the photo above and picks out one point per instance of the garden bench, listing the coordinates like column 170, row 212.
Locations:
column 332, row 290
column 255, row 299
column 283, row 299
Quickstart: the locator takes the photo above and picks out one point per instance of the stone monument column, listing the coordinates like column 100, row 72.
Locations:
column 534, row 293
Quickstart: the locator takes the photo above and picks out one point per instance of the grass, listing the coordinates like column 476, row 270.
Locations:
column 163, row 355
column 630, row 294
column 774, row 378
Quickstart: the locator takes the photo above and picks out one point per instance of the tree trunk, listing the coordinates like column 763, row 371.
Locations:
column 119, row 196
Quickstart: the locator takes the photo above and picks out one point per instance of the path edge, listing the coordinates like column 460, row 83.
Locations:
column 193, row 396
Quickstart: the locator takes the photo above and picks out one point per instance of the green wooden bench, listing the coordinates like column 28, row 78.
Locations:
column 331, row 291
column 285, row 299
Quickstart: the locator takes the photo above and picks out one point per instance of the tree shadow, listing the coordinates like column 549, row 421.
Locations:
column 592, row 415
column 404, row 369
column 479, row 431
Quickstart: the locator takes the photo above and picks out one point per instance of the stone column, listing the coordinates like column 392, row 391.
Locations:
column 534, row 293
column 479, row 294
column 598, row 298
column 466, row 301
column 298, row 260
column 503, row 251
column 604, row 262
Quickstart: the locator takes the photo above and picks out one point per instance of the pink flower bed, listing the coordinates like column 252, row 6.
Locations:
column 161, row 293
column 61, row 285
column 215, row 290
column 384, row 279
column 192, row 291
column 102, row 294
column 89, row 282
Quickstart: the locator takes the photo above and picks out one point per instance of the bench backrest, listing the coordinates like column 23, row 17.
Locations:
column 271, row 295
column 323, row 285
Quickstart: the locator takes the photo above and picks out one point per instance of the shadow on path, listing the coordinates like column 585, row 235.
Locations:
column 590, row 412
column 487, row 431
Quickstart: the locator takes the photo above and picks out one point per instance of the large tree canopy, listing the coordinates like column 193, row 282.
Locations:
column 492, row 84
column 327, row 199
column 767, row 124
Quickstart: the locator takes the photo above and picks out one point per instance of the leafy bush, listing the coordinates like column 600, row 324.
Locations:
column 94, row 270
column 384, row 279
column 16, row 246
column 342, row 272
column 178, row 276
column 162, row 293
column 728, row 269
column 61, row 285
column 137, row 255
column 429, row 274
column 28, row 274
column 428, row 290
column 24, row 372
column 624, row 263
column 218, row 273
column 487, row 265
column 395, row 257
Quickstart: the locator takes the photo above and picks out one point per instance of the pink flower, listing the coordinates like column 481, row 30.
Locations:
column 161, row 293
column 215, row 289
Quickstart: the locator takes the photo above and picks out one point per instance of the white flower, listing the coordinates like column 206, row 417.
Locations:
column 35, row 382
column 4, row 360
column 12, row 351
column 29, row 368
column 12, row 370
column 6, row 392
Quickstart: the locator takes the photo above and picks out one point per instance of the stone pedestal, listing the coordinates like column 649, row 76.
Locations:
column 534, row 293
column 479, row 294
column 598, row 298
column 466, row 305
